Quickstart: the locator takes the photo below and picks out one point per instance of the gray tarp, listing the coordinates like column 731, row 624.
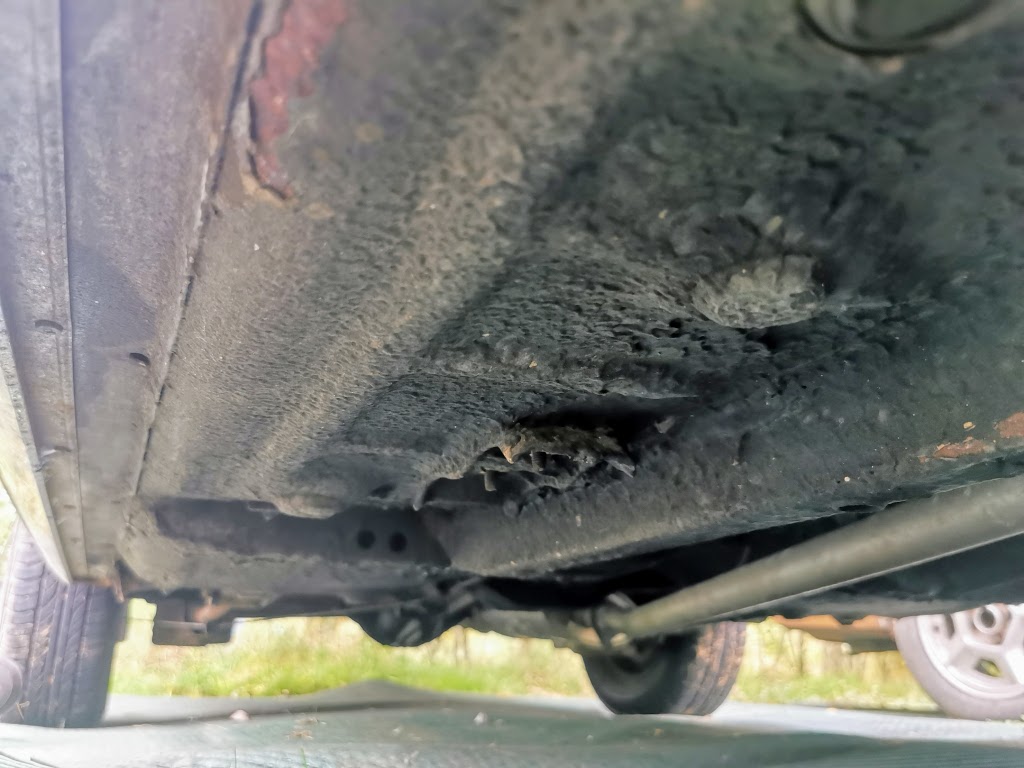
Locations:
column 378, row 725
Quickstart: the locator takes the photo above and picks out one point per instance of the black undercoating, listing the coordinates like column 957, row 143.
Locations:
column 572, row 282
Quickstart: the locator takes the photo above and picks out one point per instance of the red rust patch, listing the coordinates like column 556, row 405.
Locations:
column 1012, row 427
column 969, row 447
column 289, row 58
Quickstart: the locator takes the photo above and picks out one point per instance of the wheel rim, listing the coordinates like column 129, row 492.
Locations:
column 980, row 651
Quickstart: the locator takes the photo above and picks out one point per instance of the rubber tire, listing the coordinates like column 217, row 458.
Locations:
column 60, row 636
column 950, row 699
column 685, row 675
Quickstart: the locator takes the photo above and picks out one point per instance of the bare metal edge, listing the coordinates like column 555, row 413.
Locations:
column 43, row 485
column 20, row 472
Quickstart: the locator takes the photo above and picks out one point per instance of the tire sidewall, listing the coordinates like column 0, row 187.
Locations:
column 950, row 699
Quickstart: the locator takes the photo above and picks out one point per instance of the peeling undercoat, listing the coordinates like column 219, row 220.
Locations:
column 289, row 57
column 736, row 261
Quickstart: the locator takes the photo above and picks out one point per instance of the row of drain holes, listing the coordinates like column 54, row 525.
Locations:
column 54, row 327
column 367, row 540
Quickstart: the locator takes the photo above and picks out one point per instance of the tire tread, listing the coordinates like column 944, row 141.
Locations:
column 699, row 671
column 60, row 636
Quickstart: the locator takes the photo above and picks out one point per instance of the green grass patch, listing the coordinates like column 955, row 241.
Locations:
column 294, row 656
column 783, row 666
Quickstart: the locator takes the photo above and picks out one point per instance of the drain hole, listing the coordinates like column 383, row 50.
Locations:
column 382, row 491
column 398, row 542
column 139, row 358
column 365, row 539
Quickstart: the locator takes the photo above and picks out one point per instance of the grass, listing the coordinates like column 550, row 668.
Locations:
column 787, row 666
column 841, row 691
column 293, row 656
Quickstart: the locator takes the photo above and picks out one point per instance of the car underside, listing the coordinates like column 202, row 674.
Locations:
column 507, row 313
